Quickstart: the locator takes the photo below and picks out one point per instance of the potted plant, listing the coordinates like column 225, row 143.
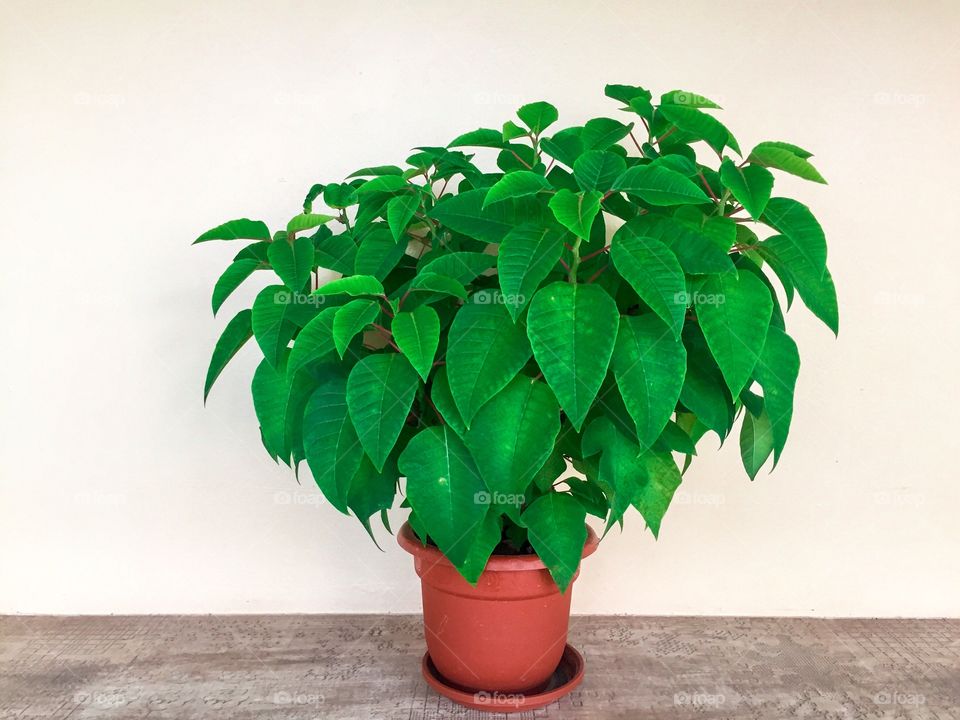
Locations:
column 530, row 325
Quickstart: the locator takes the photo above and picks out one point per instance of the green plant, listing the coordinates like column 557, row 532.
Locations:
column 491, row 326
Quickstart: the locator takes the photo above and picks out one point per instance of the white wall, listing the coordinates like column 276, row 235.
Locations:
column 127, row 128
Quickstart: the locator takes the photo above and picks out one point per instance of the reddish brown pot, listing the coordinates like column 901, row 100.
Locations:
column 508, row 633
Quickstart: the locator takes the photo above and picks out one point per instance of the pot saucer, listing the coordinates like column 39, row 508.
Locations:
column 565, row 678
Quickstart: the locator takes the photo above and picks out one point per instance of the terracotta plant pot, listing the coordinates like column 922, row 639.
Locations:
column 505, row 635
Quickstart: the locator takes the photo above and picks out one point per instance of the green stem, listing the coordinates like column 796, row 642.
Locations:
column 575, row 263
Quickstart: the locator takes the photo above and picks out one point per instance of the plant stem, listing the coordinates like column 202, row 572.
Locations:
column 575, row 264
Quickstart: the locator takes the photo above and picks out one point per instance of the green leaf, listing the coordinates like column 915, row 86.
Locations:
column 378, row 254
column 756, row 442
column 464, row 213
column 513, row 435
column 557, row 530
column 330, row 441
column 340, row 195
column 573, row 329
column 356, row 285
column 697, row 253
column 700, row 125
column 236, row 273
column 576, row 211
column 417, row 334
column 661, row 480
column 400, row 210
column 538, row 116
column 234, row 336
column 566, row 146
column 650, row 367
column 463, row 267
column 786, row 157
column 384, row 184
column 372, row 492
column 441, row 284
column 273, row 326
column 443, row 487
column 279, row 403
column 380, row 392
column 519, row 183
column 377, row 170
column 590, row 496
column 597, row 169
column 482, row 547
column 626, row 93
column 254, row 251
column 777, row 371
column 335, row 252
column 704, row 389
column 292, row 263
column 750, row 185
column 687, row 99
column 511, row 131
column 658, row 185
column 313, row 342
column 601, row 133
column 526, row 256
column 350, row 320
column 734, row 313
column 307, row 221
column 807, row 245
column 484, row 137
column 653, row 272
column 485, row 351
column 443, row 401
column 241, row 229
column 815, row 287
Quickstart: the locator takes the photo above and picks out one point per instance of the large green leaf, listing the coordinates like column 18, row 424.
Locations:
column 794, row 221
column 313, row 342
column 538, row 115
column 234, row 336
column 464, row 213
column 279, row 404
column 236, row 273
column 573, row 329
column 557, row 530
column 400, row 210
column 519, row 183
column 750, row 185
column 444, row 489
column 776, row 371
column 485, row 351
column 815, row 287
column 384, row 184
column 292, row 262
column 334, row 252
column 307, row 221
column 687, row 99
column 330, row 441
column 355, row 285
column 734, row 312
column 242, row 229
column 601, row 133
column 653, row 271
column 597, row 169
column 481, row 548
column 513, row 435
column 661, row 480
column 650, row 367
column 442, row 400
column 576, row 211
column 786, row 157
column 659, row 185
column 417, row 334
column 704, row 389
column 700, row 125
column 484, row 137
column 463, row 267
column 372, row 492
column 620, row 470
column 696, row 251
column 350, row 320
column 273, row 326
column 756, row 442
column 526, row 256
column 380, row 391
column 378, row 255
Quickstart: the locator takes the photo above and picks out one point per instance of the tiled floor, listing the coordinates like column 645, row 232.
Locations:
column 366, row 667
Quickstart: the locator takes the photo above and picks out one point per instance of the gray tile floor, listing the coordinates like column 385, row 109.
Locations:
column 366, row 667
